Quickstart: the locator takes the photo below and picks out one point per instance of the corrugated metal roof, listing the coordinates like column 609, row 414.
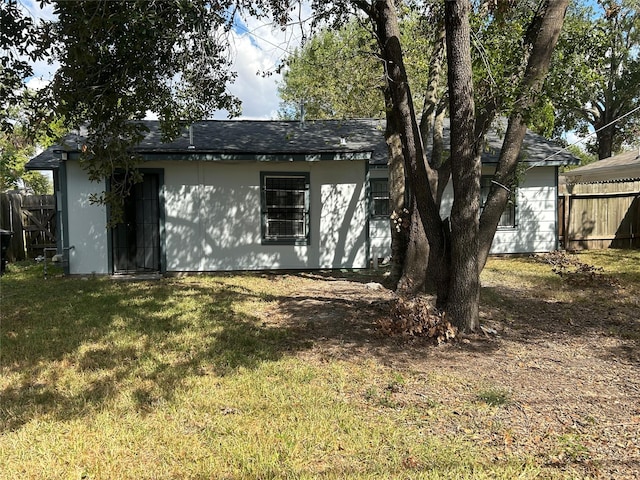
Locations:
column 623, row 167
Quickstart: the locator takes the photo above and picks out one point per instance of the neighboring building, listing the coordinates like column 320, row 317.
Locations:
column 599, row 204
column 619, row 168
column 253, row 195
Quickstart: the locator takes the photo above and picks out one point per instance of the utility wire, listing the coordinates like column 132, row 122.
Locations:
column 585, row 138
column 244, row 29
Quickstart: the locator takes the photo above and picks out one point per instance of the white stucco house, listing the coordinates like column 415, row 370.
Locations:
column 254, row 195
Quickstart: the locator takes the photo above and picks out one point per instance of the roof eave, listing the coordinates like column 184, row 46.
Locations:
column 212, row 156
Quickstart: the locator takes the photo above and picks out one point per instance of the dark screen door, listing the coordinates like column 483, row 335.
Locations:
column 136, row 241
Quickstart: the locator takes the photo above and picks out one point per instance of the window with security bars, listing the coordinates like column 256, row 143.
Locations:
column 508, row 218
column 379, row 197
column 285, row 208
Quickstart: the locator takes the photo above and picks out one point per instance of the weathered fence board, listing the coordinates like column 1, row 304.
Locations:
column 602, row 215
column 32, row 219
column 38, row 223
column 11, row 219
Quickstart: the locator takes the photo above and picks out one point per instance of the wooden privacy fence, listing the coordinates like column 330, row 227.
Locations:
column 32, row 219
column 600, row 215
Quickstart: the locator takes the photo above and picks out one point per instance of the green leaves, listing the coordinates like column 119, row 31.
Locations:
column 595, row 77
column 16, row 147
column 338, row 74
column 120, row 60
column 334, row 75
column 22, row 41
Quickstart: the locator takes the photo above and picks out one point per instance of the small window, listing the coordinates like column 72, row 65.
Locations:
column 285, row 208
column 508, row 218
column 379, row 197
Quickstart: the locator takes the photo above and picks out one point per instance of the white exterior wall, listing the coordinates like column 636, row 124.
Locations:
column 536, row 216
column 213, row 216
column 86, row 223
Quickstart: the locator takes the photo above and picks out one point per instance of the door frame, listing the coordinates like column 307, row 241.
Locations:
column 161, row 222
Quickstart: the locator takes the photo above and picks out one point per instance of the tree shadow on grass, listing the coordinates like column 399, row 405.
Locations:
column 95, row 340
column 586, row 314
column 340, row 316
column 77, row 346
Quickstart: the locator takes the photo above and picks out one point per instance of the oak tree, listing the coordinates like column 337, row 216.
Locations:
column 595, row 76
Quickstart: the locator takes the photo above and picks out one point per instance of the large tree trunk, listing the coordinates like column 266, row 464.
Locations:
column 605, row 141
column 417, row 169
column 462, row 306
column 417, row 274
column 544, row 33
column 397, row 194
column 414, row 269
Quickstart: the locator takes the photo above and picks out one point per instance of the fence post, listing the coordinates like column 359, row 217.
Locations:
column 566, row 218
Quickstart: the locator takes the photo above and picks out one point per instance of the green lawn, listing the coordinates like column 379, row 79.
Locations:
column 184, row 378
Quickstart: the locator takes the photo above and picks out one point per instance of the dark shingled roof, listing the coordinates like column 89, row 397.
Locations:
column 274, row 137
column 279, row 140
column 250, row 140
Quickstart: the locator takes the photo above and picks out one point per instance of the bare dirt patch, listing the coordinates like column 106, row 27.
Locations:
column 555, row 373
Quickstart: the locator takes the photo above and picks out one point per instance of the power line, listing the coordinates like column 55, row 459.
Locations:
column 585, row 138
column 243, row 29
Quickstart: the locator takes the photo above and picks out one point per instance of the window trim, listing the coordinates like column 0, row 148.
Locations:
column 302, row 240
column 372, row 199
column 512, row 203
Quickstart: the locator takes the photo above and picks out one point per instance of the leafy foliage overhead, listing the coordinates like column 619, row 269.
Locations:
column 338, row 74
column 119, row 60
column 335, row 75
column 595, row 78
column 22, row 41
column 15, row 150
column 122, row 59
column 20, row 144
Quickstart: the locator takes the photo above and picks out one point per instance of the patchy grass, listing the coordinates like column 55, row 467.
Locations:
column 493, row 396
column 285, row 376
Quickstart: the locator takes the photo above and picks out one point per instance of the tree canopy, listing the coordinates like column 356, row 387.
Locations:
column 121, row 60
column 25, row 119
column 594, row 78
column 19, row 144
column 15, row 151
column 334, row 75
column 595, row 75
column 22, row 41
column 338, row 72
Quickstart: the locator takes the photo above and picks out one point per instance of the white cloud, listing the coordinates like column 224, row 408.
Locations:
column 37, row 83
column 572, row 137
column 257, row 47
column 257, row 92
column 38, row 11
column 44, row 69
